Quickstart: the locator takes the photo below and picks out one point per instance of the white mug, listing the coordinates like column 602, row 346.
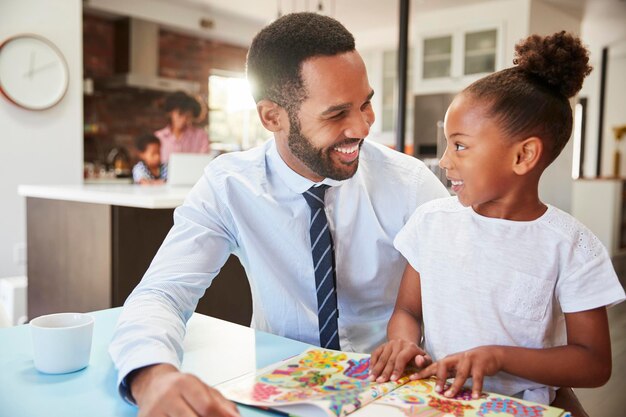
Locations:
column 61, row 342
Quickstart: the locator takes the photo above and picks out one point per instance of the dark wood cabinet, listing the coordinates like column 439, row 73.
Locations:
column 86, row 256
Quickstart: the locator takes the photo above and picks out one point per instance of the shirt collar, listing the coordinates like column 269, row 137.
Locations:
column 295, row 182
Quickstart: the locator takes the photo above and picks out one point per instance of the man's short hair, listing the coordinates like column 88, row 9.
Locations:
column 277, row 52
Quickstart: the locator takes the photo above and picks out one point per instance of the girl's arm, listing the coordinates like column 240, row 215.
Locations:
column 584, row 362
column 403, row 332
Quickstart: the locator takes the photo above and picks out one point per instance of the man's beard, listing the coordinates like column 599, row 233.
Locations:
column 319, row 160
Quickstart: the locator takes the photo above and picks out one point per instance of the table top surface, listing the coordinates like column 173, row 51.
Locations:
column 129, row 195
column 215, row 351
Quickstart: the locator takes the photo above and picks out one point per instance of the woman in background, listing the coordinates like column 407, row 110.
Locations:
column 180, row 135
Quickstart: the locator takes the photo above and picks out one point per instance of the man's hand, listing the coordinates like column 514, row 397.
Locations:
column 475, row 363
column 389, row 360
column 161, row 390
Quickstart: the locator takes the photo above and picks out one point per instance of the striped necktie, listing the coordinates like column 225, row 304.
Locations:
column 324, row 264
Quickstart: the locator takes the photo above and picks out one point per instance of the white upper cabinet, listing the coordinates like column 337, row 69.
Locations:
column 480, row 52
column 447, row 61
column 437, row 57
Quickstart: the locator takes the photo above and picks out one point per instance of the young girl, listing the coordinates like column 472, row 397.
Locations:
column 149, row 170
column 511, row 292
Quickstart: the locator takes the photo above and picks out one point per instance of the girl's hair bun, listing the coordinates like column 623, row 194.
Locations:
column 559, row 60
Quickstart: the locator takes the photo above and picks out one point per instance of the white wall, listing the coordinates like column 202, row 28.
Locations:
column 556, row 184
column 604, row 23
column 39, row 147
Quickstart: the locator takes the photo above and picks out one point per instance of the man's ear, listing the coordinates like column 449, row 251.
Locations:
column 528, row 155
column 271, row 115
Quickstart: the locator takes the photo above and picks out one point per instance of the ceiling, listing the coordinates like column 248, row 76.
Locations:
column 354, row 14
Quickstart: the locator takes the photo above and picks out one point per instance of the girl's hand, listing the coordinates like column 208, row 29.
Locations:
column 389, row 360
column 475, row 363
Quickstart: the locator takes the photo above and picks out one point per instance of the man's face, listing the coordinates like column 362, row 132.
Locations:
column 326, row 133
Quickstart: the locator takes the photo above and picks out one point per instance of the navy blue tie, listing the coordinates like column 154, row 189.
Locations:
column 324, row 264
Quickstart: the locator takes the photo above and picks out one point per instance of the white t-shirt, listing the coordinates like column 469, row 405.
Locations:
column 488, row 281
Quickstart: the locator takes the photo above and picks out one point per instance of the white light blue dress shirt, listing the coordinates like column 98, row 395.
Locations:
column 250, row 204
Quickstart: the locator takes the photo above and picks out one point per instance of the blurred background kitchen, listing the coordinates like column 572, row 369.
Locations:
column 131, row 65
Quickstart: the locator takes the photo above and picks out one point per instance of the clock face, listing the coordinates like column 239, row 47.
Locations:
column 33, row 72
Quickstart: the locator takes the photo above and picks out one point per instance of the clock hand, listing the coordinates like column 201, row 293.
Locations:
column 32, row 64
column 41, row 68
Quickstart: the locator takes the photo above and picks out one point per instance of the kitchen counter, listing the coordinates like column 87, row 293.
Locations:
column 126, row 195
column 89, row 245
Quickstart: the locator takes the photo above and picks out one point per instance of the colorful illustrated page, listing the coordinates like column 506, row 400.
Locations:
column 327, row 383
column 317, row 382
column 419, row 399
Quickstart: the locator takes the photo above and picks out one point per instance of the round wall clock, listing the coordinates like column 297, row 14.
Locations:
column 33, row 72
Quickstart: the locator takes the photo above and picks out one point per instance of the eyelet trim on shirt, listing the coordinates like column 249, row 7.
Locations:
column 587, row 243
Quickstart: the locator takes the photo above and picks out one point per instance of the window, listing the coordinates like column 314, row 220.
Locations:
column 233, row 119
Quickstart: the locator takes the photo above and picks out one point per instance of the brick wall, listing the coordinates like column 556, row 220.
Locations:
column 189, row 58
column 97, row 47
column 123, row 114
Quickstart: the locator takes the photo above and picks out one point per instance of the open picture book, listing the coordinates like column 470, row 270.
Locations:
column 321, row 382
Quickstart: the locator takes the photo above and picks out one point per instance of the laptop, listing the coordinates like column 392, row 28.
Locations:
column 185, row 169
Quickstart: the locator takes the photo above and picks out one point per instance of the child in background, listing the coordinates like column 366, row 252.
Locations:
column 149, row 170
column 511, row 292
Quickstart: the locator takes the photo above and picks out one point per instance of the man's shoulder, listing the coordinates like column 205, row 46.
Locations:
column 377, row 152
column 402, row 173
column 249, row 163
column 379, row 157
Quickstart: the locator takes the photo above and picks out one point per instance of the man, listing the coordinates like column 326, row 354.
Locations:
column 269, row 207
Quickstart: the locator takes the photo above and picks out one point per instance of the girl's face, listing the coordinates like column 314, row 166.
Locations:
column 479, row 158
column 333, row 120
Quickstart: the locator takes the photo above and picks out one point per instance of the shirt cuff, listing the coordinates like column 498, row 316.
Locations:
column 124, row 390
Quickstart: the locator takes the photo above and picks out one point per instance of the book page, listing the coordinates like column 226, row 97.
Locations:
column 328, row 383
column 419, row 399
column 318, row 382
